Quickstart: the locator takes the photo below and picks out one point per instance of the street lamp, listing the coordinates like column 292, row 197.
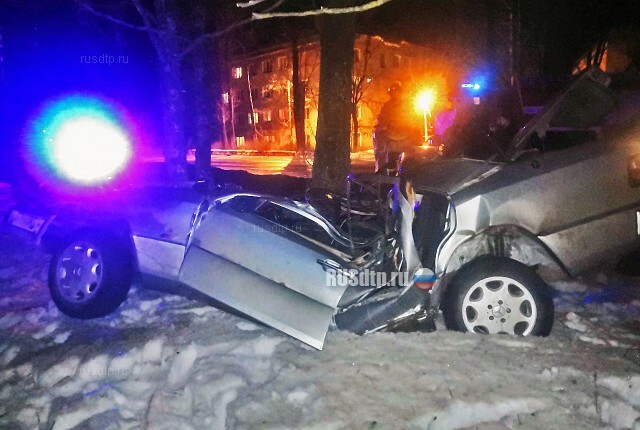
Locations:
column 426, row 100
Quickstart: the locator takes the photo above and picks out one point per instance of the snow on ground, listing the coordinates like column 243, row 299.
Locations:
column 163, row 361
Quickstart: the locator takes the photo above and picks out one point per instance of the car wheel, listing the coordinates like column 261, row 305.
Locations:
column 90, row 276
column 498, row 295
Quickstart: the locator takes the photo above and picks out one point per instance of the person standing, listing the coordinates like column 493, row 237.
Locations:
column 396, row 130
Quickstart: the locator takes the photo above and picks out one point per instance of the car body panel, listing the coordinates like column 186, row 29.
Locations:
column 267, row 251
column 557, row 193
column 158, row 257
column 159, row 213
column 167, row 222
column 265, row 300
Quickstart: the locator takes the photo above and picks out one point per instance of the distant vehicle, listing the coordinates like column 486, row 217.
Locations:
column 477, row 239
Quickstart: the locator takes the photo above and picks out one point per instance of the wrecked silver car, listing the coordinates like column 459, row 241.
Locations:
column 280, row 261
column 476, row 239
column 563, row 198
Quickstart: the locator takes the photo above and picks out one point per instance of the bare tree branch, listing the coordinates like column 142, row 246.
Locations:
column 322, row 11
column 145, row 15
column 250, row 3
column 210, row 36
column 113, row 19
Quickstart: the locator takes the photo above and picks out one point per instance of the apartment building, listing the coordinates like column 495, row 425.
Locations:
column 258, row 102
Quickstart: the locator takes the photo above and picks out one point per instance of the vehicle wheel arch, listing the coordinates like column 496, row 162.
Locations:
column 118, row 230
column 502, row 278
column 505, row 241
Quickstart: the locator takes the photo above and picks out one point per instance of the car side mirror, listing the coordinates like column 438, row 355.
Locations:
column 633, row 169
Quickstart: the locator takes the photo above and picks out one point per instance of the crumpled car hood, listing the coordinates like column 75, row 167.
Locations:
column 452, row 175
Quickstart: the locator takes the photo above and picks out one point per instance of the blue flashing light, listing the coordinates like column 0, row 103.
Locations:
column 80, row 140
column 474, row 86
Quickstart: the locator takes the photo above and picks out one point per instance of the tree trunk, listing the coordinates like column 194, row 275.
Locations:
column 200, row 97
column 298, row 96
column 355, row 128
column 332, row 159
column 167, row 46
column 173, row 142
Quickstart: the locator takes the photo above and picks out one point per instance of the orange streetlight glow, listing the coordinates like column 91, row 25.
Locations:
column 425, row 102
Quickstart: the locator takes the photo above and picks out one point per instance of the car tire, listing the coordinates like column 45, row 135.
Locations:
column 90, row 275
column 498, row 295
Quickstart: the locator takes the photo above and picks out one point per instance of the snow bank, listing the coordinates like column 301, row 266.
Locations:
column 164, row 362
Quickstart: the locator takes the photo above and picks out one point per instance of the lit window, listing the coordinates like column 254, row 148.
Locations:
column 239, row 141
column 236, row 72
column 283, row 114
column 269, row 139
column 266, row 115
column 255, row 118
column 267, row 92
column 267, row 66
column 225, row 97
column 356, row 55
column 396, row 60
column 283, row 63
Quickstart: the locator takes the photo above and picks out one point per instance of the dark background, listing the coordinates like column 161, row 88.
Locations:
column 43, row 42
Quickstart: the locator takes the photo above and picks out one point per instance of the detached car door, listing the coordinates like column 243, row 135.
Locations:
column 267, row 261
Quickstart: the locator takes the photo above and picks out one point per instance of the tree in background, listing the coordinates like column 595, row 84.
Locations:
column 336, row 22
column 361, row 82
column 181, row 34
